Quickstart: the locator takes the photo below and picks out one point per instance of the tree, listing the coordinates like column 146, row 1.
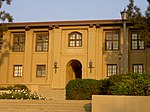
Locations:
column 4, row 17
column 141, row 22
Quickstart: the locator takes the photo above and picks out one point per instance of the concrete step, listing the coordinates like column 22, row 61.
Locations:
column 45, row 106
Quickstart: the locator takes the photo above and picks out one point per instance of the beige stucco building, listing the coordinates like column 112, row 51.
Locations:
column 46, row 55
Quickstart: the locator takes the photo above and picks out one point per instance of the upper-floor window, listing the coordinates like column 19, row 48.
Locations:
column 1, row 41
column 111, row 69
column 136, row 42
column 19, row 42
column 41, row 70
column 17, row 71
column 112, row 40
column 42, row 41
column 138, row 68
column 75, row 39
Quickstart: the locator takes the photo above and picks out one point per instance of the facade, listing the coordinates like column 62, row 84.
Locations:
column 46, row 55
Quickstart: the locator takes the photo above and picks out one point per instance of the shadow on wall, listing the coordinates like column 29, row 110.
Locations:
column 88, row 107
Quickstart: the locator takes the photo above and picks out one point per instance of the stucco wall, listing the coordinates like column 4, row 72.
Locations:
column 120, row 103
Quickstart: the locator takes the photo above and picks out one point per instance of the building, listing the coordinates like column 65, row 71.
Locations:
column 46, row 55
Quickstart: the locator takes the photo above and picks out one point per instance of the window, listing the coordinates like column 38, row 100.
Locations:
column 136, row 42
column 111, row 69
column 17, row 70
column 42, row 42
column 112, row 40
column 19, row 43
column 1, row 41
column 138, row 68
column 75, row 39
column 40, row 70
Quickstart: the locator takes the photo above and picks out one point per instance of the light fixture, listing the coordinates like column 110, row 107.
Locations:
column 124, row 15
column 90, row 66
column 55, row 66
column 119, row 55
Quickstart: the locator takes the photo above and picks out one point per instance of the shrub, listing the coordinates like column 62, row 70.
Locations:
column 20, row 91
column 131, row 84
column 82, row 89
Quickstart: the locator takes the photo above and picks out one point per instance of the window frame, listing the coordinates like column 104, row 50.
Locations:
column 138, row 40
column 17, row 72
column 77, row 42
column 39, row 69
column 112, row 40
column 20, row 43
column 110, row 72
column 138, row 68
column 43, row 41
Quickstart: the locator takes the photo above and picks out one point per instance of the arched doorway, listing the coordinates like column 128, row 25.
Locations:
column 73, row 70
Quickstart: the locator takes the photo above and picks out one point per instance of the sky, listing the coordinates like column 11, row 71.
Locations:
column 64, row 10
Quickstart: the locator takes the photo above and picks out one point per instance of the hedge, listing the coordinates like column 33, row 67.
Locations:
column 82, row 89
column 129, row 84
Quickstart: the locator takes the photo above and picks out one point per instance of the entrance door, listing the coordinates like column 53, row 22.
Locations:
column 73, row 70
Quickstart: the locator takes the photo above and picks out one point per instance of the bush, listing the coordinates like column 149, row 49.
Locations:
column 82, row 89
column 20, row 91
column 131, row 84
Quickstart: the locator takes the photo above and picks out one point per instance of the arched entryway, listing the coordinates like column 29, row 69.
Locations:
column 73, row 70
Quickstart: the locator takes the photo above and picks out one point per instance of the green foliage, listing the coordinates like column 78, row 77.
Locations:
column 131, row 84
column 20, row 87
column 82, row 89
column 4, row 17
column 142, row 22
column 19, row 91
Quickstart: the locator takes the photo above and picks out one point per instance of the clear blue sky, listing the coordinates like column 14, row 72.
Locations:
column 54, row 10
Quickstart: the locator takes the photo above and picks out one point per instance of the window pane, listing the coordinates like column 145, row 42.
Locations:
column 115, row 37
column 136, row 42
column 39, row 46
column 134, row 45
column 141, row 44
column 42, row 42
column 115, row 45
column 78, row 36
column 17, row 70
column 134, row 36
column 111, row 69
column 41, row 71
column 109, row 45
column 108, row 36
column 75, row 40
column 19, row 43
column 112, row 40
column 138, row 68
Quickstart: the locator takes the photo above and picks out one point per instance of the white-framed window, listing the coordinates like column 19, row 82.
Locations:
column 19, row 42
column 17, row 71
column 138, row 68
column 111, row 69
column 112, row 40
column 136, row 42
column 41, row 70
column 42, row 42
column 75, row 39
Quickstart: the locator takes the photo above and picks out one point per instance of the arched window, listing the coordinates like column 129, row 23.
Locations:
column 75, row 39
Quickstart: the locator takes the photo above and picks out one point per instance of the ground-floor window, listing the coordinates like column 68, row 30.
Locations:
column 41, row 70
column 138, row 68
column 17, row 71
column 111, row 69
